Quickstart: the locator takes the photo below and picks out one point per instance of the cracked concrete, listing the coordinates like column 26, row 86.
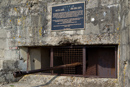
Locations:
column 28, row 23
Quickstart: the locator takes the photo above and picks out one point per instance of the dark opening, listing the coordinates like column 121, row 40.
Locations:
column 45, row 59
column 97, row 61
column 100, row 61
column 67, row 56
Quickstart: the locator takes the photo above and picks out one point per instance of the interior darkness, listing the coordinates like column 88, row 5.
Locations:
column 100, row 61
column 67, row 56
column 45, row 59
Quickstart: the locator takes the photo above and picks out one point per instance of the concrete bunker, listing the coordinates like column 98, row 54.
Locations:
column 28, row 24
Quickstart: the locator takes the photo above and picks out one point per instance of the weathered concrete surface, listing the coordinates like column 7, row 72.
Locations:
column 124, row 45
column 7, row 69
column 28, row 23
column 63, row 81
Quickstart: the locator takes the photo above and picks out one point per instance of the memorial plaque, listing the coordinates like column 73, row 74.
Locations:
column 68, row 17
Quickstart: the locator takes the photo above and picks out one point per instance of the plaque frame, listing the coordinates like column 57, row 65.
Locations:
column 70, row 4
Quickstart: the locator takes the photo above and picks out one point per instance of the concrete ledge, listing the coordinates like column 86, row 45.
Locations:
column 68, row 81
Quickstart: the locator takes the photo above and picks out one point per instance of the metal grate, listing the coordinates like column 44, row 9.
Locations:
column 67, row 56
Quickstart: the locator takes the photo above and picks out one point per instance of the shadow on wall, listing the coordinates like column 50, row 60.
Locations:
column 47, row 82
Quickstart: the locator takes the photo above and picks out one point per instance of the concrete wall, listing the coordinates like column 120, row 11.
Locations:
column 28, row 23
column 124, row 45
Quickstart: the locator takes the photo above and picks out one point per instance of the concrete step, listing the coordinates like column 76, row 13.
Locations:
column 62, row 81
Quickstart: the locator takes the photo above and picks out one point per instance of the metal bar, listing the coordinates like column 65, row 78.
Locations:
column 21, row 73
column 115, row 61
column 73, row 46
column 51, row 59
column 84, row 61
column 79, row 46
column 28, row 55
column 97, row 66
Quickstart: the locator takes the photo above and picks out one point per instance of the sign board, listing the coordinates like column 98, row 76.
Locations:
column 68, row 17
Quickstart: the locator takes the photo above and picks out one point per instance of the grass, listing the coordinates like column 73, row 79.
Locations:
column 12, row 85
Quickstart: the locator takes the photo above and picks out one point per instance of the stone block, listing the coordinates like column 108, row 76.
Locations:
column 92, row 4
column 2, row 43
column 107, row 2
column 2, row 53
column 3, row 33
column 34, row 20
column 19, row 21
column 24, row 1
column 1, row 64
column 123, row 54
column 4, row 3
column 127, row 19
column 9, row 35
column 11, row 54
column 106, row 27
column 12, row 12
column 8, row 54
column 28, row 21
column 128, row 52
column 10, row 65
column 14, row 2
column 49, row 6
column 91, row 28
column 123, row 22
column 124, row 37
column 2, row 79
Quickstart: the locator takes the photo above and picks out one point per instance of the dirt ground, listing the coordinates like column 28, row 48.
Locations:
column 18, row 84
